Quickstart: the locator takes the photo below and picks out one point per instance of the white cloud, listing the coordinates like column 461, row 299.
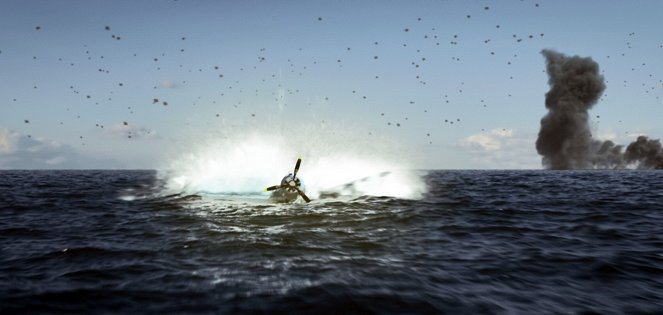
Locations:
column 129, row 131
column 620, row 137
column 502, row 148
column 22, row 152
column 491, row 141
column 7, row 139
column 56, row 160
column 167, row 84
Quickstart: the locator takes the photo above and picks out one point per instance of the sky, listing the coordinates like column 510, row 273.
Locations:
column 439, row 84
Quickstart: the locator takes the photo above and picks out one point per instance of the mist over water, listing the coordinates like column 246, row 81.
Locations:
column 335, row 158
column 565, row 140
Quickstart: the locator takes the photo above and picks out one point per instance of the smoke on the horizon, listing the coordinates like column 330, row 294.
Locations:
column 645, row 151
column 565, row 140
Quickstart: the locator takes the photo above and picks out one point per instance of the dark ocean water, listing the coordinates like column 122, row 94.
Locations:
column 481, row 242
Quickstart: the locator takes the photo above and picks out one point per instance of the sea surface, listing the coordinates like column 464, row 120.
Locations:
column 479, row 242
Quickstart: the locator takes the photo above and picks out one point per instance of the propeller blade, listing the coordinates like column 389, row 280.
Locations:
column 299, row 162
column 301, row 193
column 275, row 187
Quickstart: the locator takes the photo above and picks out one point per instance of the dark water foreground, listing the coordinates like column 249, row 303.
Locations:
column 481, row 242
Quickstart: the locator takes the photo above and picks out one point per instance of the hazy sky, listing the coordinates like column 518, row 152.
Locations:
column 449, row 84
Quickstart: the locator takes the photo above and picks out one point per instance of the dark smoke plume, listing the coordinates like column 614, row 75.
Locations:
column 565, row 140
column 645, row 151
column 575, row 86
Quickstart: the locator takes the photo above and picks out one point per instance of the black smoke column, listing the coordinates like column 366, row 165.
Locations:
column 575, row 85
column 647, row 151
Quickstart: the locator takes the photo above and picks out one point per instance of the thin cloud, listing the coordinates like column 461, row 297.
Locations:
column 167, row 84
column 501, row 148
column 490, row 141
column 129, row 131
column 22, row 152
column 7, row 139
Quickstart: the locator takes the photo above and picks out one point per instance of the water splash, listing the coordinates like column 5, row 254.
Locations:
column 334, row 159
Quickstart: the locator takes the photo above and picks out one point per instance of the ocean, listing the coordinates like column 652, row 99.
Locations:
column 477, row 242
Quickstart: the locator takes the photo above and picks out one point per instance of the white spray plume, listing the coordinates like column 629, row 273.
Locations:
column 243, row 162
